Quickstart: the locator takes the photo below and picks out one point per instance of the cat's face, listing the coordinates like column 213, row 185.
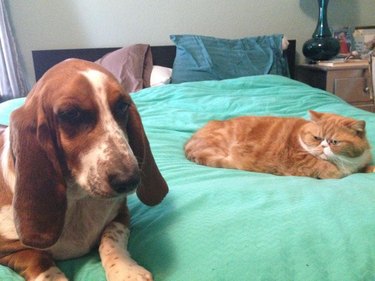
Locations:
column 333, row 137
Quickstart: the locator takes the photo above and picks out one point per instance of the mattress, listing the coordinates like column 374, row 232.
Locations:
column 224, row 224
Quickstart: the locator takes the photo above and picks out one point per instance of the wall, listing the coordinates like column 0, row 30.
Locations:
column 51, row 24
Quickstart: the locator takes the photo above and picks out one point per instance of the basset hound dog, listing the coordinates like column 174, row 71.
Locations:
column 70, row 156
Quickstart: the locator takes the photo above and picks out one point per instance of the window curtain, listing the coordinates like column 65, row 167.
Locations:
column 12, row 82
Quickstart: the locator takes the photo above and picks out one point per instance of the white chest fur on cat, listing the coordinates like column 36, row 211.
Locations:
column 347, row 165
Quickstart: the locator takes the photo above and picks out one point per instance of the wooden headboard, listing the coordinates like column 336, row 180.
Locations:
column 162, row 55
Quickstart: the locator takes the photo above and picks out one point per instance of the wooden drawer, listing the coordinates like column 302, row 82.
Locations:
column 367, row 107
column 351, row 83
column 353, row 89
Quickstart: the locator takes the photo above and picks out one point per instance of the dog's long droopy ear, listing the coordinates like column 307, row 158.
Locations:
column 153, row 187
column 40, row 193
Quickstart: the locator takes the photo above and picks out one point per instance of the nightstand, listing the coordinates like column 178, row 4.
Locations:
column 350, row 82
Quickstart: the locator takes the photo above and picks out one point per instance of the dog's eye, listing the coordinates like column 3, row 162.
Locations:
column 71, row 115
column 121, row 108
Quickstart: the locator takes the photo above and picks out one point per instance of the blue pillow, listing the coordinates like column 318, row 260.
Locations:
column 208, row 58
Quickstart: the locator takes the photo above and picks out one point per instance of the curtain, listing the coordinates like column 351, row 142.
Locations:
column 12, row 82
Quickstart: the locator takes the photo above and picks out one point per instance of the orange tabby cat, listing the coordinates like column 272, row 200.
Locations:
column 328, row 146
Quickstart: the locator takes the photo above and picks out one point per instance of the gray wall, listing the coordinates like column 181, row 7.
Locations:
column 51, row 24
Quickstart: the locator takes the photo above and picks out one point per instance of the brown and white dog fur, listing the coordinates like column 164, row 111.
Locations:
column 70, row 156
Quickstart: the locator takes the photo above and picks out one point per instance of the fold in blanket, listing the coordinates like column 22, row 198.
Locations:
column 131, row 65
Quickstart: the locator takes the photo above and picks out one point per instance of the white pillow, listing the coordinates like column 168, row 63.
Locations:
column 160, row 75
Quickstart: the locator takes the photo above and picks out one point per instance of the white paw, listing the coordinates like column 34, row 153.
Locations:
column 52, row 274
column 128, row 272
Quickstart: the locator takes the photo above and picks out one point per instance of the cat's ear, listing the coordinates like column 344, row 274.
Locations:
column 358, row 126
column 315, row 116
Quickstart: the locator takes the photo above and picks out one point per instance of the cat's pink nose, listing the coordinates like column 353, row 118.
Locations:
column 324, row 143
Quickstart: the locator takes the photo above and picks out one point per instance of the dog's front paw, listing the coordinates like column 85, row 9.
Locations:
column 128, row 272
column 117, row 263
column 52, row 274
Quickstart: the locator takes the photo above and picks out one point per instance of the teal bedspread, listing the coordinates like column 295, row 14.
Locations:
column 222, row 224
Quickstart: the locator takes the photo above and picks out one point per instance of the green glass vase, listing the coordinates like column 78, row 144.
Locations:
column 322, row 46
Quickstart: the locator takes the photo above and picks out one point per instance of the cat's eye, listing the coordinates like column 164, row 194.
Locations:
column 318, row 138
column 334, row 142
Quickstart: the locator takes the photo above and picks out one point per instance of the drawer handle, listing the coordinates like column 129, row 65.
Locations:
column 367, row 91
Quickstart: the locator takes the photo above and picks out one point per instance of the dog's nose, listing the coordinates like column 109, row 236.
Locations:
column 124, row 182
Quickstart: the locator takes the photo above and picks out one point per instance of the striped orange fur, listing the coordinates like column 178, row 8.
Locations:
column 327, row 146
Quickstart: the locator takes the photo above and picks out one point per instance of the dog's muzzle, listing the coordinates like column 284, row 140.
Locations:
column 125, row 182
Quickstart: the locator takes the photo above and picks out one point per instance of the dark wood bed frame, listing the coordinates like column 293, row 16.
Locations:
column 162, row 55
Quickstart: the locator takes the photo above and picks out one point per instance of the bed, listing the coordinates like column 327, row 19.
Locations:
column 223, row 224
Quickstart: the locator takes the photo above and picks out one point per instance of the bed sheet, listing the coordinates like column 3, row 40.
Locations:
column 223, row 224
